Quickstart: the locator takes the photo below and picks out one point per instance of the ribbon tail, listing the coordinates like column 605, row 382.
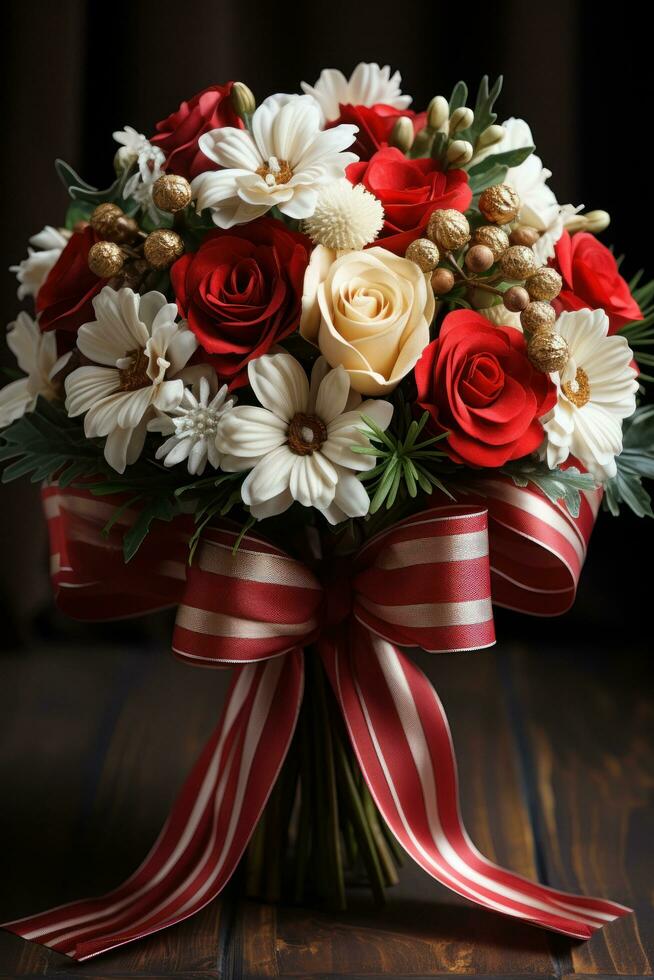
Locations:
column 402, row 739
column 208, row 829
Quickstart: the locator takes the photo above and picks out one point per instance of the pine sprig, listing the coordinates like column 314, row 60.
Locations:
column 635, row 463
column 406, row 462
column 640, row 333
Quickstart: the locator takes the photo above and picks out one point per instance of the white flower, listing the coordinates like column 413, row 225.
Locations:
column 33, row 271
column 135, row 148
column 596, row 391
column 139, row 350
column 346, row 216
column 36, row 354
column 367, row 85
column 539, row 207
column 192, row 426
column 299, row 444
column 282, row 163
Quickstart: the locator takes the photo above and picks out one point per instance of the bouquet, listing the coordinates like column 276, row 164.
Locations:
column 330, row 376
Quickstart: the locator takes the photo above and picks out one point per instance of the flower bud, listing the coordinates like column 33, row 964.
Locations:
column 597, row 221
column 490, row 136
column 459, row 152
column 438, row 112
column 124, row 158
column 243, row 100
column 402, row 134
column 460, row 119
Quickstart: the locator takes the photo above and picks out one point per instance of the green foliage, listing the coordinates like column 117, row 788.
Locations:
column 406, row 465
column 483, row 109
column 493, row 169
column 557, row 485
column 635, row 462
column 640, row 333
column 82, row 192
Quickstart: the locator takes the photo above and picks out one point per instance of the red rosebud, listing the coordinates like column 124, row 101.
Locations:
column 178, row 135
column 375, row 125
column 478, row 384
column 409, row 190
column 64, row 301
column 591, row 280
column 241, row 292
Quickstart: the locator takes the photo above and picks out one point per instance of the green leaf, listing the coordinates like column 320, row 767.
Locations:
column 557, row 485
column 81, row 191
column 160, row 508
column 635, row 463
column 507, row 159
column 484, row 114
column 459, row 96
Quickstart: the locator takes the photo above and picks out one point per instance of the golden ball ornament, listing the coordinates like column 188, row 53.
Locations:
column 518, row 262
column 479, row 258
column 547, row 351
column 538, row 316
column 162, row 247
column 493, row 238
column 106, row 259
column 499, row 204
column 424, row 253
column 449, row 229
column 442, row 281
column 516, row 299
column 103, row 219
column 545, row 284
column 171, row 193
column 523, row 235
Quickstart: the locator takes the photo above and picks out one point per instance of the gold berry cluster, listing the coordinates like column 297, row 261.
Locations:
column 495, row 254
column 125, row 253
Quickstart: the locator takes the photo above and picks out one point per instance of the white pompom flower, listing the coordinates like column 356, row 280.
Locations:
column 596, row 391
column 45, row 248
column 282, row 163
column 298, row 442
column 191, row 427
column 347, row 216
column 36, row 354
column 135, row 148
column 139, row 350
column 367, row 85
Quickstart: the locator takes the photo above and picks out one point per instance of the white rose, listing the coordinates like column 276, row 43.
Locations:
column 369, row 311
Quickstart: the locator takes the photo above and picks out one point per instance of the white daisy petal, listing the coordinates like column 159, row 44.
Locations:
column 280, row 384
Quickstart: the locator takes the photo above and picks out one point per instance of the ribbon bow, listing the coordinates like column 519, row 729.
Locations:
column 426, row 582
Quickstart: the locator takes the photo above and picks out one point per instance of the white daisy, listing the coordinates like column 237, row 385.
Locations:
column 298, row 446
column 36, row 354
column 138, row 350
column 135, row 148
column 367, row 85
column 539, row 207
column 32, row 272
column 192, row 426
column 282, row 163
column 596, row 391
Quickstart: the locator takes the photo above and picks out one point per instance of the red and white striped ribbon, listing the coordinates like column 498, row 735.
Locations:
column 425, row 582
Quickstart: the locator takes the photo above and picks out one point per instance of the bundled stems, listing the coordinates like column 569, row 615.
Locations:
column 321, row 829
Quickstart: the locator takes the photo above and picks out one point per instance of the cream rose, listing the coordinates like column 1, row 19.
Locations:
column 368, row 311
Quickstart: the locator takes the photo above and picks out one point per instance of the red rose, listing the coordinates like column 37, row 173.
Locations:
column 64, row 301
column 375, row 124
column 178, row 135
column 591, row 280
column 478, row 384
column 241, row 292
column 409, row 191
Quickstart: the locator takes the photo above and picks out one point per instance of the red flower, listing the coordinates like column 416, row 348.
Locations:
column 64, row 301
column 375, row 124
column 591, row 280
column 409, row 191
column 477, row 383
column 241, row 292
column 178, row 135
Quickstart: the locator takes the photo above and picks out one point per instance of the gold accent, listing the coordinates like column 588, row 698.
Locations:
column 449, row 229
column 518, row 262
column 105, row 259
column 538, row 316
column 281, row 174
column 135, row 376
column 493, row 238
column 171, row 193
column 424, row 253
column 499, row 204
column 306, row 434
column 162, row 247
column 547, row 351
column 545, row 284
column 579, row 395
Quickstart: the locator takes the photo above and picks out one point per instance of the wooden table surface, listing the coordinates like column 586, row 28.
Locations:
column 557, row 780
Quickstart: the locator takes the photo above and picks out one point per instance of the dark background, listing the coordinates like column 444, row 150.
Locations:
column 74, row 71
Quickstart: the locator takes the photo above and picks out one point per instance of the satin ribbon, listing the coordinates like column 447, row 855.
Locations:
column 426, row 582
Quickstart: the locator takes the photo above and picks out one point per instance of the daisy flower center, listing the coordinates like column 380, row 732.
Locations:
column 199, row 421
column 133, row 370
column 275, row 171
column 577, row 391
column 306, row 434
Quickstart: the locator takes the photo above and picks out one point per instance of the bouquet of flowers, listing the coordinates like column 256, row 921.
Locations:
column 331, row 376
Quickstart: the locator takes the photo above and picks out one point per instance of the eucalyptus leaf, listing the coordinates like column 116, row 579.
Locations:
column 507, row 159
